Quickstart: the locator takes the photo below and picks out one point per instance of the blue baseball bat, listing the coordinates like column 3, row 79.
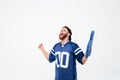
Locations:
column 89, row 45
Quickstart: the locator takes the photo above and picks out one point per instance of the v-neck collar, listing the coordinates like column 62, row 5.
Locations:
column 62, row 45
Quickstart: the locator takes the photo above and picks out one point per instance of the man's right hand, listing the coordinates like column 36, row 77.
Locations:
column 40, row 46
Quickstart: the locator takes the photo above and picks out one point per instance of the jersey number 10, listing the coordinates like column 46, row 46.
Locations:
column 62, row 59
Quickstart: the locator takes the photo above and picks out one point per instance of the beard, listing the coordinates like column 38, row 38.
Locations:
column 62, row 36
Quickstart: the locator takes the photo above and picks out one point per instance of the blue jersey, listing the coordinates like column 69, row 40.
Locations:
column 65, row 57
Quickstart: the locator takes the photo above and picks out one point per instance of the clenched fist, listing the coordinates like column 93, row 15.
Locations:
column 41, row 46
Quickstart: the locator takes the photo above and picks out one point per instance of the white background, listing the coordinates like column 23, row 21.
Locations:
column 26, row 23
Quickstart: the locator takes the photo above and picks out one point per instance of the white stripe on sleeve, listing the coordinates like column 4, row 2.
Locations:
column 52, row 51
column 78, row 52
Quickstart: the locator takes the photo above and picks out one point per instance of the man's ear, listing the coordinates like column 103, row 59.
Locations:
column 68, row 34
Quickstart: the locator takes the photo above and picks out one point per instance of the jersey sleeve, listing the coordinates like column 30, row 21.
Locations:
column 52, row 55
column 78, row 53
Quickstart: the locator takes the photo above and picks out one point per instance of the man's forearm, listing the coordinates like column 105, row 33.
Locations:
column 45, row 53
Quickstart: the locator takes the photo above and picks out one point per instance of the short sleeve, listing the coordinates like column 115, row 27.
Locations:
column 78, row 53
column 52, row 56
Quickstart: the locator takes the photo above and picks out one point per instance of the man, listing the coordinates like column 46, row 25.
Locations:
column 65, row 53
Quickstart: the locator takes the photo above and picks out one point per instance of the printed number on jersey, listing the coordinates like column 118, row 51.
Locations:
column 62, row 59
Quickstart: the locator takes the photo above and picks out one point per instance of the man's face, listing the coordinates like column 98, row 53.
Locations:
column 63, row 34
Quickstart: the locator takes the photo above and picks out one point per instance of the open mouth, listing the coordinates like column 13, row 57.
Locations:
column 61, row 33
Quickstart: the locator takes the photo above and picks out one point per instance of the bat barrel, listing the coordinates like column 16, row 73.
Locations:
column 92, row 35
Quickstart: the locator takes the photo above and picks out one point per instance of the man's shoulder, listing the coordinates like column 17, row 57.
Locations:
column 58, row 43
column 73, row 43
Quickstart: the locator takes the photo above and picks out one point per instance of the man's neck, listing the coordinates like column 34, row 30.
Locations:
column 64, row 41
